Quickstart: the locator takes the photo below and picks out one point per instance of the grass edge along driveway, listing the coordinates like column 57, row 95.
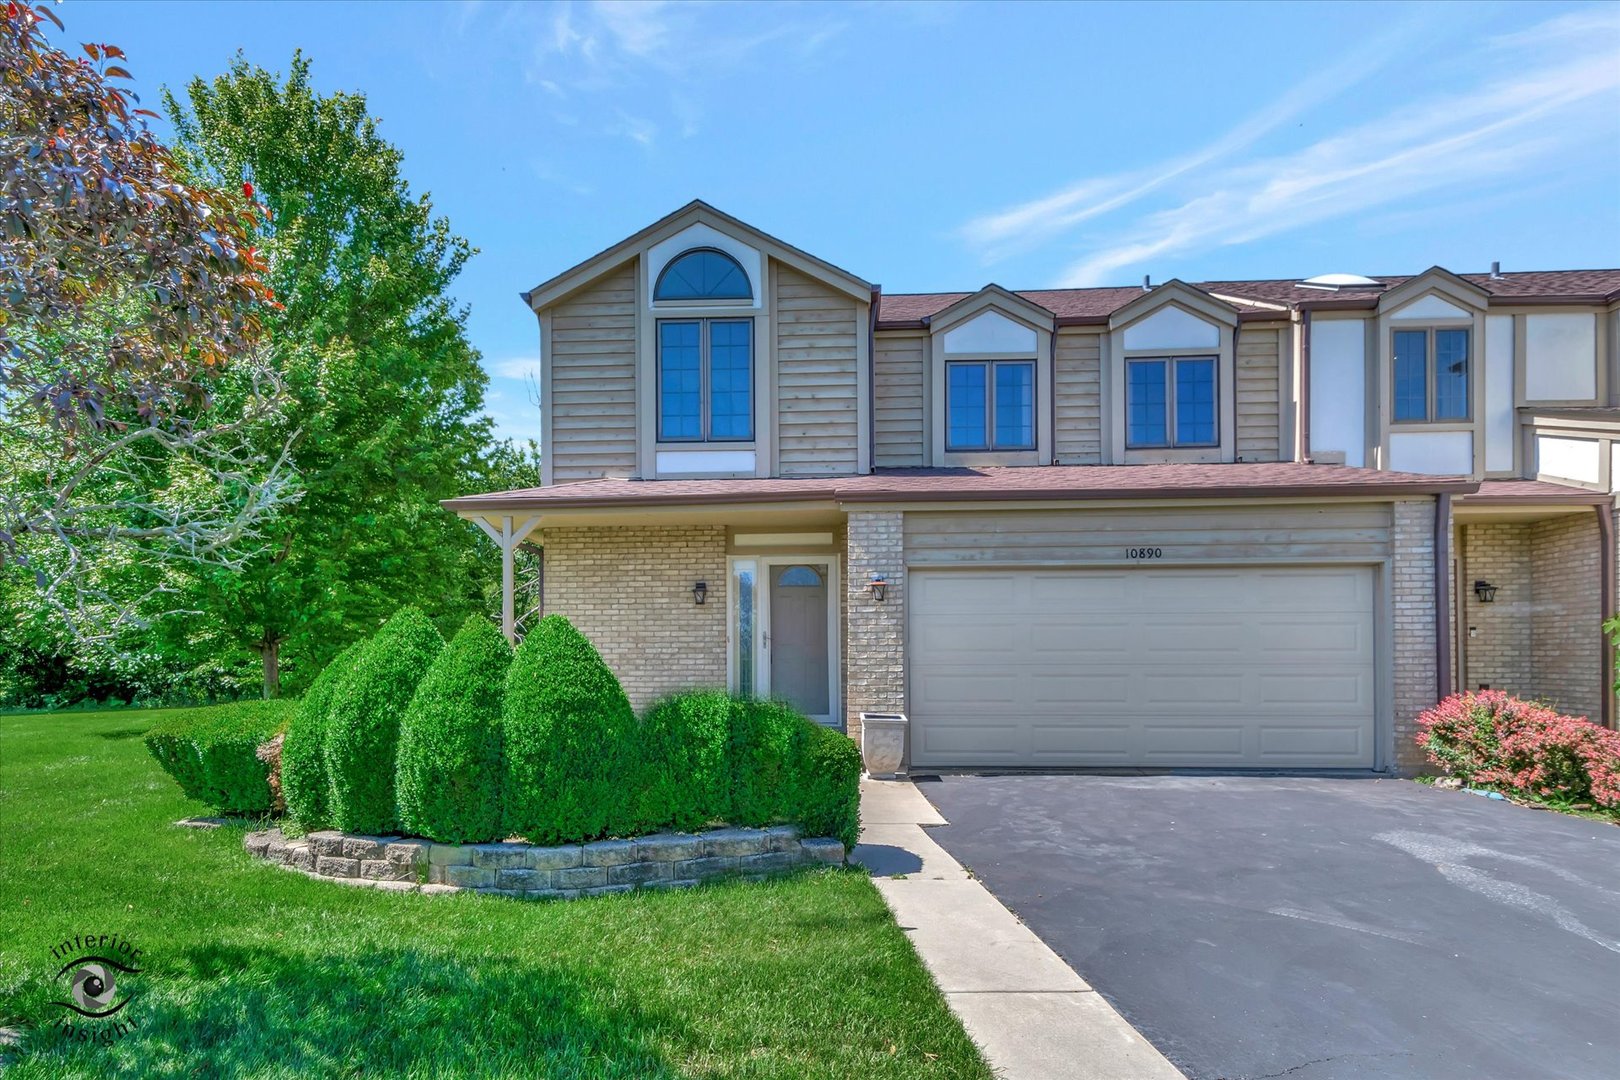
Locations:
column 247, row 970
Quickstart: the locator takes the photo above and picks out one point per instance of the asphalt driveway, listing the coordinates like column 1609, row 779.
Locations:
column 1311, row 927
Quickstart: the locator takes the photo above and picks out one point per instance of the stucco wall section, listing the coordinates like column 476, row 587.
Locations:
column 1415, row 633
column 1566, row 643
column 1497, row 636
column 629, row 589
column 875, row 640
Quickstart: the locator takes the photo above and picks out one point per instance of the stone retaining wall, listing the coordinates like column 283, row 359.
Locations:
column 666, row 860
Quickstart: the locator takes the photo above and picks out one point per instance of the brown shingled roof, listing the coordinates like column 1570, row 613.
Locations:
column 1033, row 483
column 1568, row 286
column 1511, row 492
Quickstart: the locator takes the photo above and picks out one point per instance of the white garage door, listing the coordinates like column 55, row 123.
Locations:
column 1244, row 667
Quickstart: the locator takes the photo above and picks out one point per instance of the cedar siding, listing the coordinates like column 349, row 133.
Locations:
column 1185, row 534
column 899, row 397
column 592, row 392
column 1077, row 384
column 1259, row 366
column 817, row 377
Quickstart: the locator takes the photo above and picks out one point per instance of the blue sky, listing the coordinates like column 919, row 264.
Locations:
column 942, row 146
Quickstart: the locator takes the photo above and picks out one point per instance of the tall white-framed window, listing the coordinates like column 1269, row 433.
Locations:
column 705, row 380
column 742, row 628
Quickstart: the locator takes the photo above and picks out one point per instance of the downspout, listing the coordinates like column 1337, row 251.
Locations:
column 871, row 378
column 1442, row 594
column 1305, row 386
column 1607, row 559
column 1051, row 391
column 1237, row 330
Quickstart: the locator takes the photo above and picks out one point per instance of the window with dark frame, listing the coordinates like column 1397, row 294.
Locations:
column 989, row 405
column 1171, row 402
column 705, row 380
column 1431, row 375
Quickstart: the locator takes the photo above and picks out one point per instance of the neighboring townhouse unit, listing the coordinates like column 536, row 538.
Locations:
column 1224, row 524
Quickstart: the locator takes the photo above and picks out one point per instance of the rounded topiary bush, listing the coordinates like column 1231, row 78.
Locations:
column 212, row 752
column 448, row 771
column 362, row 729
column 825, row 799
column 763, row 736
column 684, row 779
column 305, row 784
column 567, row 730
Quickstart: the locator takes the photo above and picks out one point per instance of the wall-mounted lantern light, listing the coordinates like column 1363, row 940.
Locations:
column 1485, row 591
column 877, row 587
column 700, row 592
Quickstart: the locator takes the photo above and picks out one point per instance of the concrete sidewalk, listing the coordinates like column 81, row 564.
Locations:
column 1030, row 1014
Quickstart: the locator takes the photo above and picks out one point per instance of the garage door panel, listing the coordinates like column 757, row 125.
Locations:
column 1094, row 740
column 1162, row 666
column 1316, row 692
column 1203, row 689
column 1179, row 739
column 1342, row 741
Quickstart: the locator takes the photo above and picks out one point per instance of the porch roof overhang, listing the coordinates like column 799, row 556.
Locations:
column 602, row 501
column 1526, row 500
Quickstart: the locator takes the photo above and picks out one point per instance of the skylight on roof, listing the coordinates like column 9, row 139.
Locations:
column 1340, row 281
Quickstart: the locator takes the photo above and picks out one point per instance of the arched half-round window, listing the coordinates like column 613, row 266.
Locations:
column 801, row 577
column 703, row 274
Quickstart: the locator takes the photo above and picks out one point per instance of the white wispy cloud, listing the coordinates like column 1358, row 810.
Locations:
column 1536, row 92
column 619, row 59
column 518, row 367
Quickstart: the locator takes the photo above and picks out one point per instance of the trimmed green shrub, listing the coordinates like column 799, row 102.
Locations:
column 448, row 772
column 825, row 799
column 567, row 727
column 305, row 785
column 362, row 730
column 685, row 779
column 761, row 753
column 210, row 753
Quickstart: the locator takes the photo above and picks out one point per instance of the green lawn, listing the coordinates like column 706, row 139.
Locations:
column 249, row 970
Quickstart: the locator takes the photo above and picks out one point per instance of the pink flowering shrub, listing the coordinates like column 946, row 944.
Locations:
column 1492, row 738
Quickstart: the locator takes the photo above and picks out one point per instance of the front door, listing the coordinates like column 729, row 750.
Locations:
column 797, row 636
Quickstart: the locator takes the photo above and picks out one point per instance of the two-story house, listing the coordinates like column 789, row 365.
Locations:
column 1239, row 523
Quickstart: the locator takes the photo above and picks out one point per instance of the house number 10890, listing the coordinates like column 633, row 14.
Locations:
column 1144, row 553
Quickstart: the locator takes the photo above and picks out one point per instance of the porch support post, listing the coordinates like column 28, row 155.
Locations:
column 508, row 586
column 1607, row 559
column 507, row 538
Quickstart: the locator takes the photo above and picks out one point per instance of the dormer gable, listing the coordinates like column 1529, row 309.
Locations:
column 1436, row 293
column 697, row 225
column 990, row 374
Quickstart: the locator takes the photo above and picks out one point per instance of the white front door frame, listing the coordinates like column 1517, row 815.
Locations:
column 762, row 608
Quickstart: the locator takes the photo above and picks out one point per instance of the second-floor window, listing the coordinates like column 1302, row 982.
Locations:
column 1431, row 375
column 705, row 380
column 1170, row 402
column 990, row 405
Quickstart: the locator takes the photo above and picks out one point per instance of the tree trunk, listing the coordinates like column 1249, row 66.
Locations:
column 270, row 650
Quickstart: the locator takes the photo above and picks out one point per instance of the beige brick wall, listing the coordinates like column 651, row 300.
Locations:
column 1497, row 636
column 874, row 641
column 629, row 589
column 1566, row 651
column 1415, row 639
